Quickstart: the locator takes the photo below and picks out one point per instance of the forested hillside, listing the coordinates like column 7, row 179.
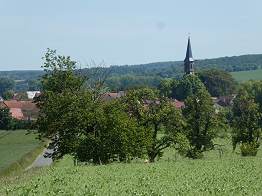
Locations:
column 129, row 76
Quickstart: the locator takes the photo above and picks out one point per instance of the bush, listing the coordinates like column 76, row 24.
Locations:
column 194, row 154
column 249, row 149
column 21, row 124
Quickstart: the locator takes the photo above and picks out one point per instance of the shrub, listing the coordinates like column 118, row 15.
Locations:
column 249, row 149
column 194, row 154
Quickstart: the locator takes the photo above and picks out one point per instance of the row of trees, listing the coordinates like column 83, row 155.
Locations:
column 141, row 124
column 8, row 87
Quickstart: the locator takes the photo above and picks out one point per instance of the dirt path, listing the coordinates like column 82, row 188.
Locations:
column 42, row 160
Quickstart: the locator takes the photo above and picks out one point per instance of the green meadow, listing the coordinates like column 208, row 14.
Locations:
column 242, row 76
column 220, row 172
column 14, row 146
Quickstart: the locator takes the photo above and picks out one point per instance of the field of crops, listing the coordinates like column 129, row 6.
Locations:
column 14, row 145
column 173, row 175
column 247, row 75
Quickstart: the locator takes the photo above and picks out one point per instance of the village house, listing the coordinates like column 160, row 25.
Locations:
column 21, row 110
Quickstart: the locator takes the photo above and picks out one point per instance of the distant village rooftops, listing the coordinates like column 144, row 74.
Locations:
column 112, row 96
column 21, row 110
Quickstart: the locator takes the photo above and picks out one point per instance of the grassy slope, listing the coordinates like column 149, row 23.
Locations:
column 173, row 175
column 247, row 75
column 14, row 145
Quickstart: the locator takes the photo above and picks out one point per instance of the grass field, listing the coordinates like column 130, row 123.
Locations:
column 247, row 75
column 14, row 145
column 173, row 175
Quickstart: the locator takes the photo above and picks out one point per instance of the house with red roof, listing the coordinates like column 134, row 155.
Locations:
column 21, row 110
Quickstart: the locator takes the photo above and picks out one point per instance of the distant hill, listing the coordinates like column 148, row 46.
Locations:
column 126, row 76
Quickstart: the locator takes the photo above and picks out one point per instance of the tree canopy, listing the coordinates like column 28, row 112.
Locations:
column 218, row 82
column 6, row 84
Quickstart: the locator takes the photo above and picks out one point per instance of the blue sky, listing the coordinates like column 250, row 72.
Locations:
column 126, row 31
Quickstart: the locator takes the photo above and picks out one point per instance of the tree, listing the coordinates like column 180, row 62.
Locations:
column 5, row 118
column 115, row 136
column 6, row 84
column 201, row 122
column 160, row 120
column 254, row 89
column 34, row 85
column 218, row 82
column 61, row 89
column 166, row 85
column 246, row 124
column 78, row 122
column 187, row 86
column 8, row 95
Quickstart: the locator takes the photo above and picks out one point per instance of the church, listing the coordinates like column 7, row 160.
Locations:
column 189, row 61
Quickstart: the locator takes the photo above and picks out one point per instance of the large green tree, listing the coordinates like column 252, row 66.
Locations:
column 61, row 89
column 218, row 82
column 246, row 123
column 185, row 87
column 78, row 122
column 160, row 120
column 111, row 135
column 202, row 121
column 254, row 89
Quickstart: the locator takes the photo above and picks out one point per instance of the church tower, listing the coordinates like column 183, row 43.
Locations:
column 189, row 61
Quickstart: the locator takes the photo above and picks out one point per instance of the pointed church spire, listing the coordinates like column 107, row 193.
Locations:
column 189, row 61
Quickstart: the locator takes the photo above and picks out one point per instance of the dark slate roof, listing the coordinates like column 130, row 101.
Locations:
column 189, row 56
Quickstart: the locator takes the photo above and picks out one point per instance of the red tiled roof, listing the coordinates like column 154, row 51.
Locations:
column 17, row 113
column 178, row 104
column 21, row 109
column 13, row 104
column 111, row 96
column 20, row 104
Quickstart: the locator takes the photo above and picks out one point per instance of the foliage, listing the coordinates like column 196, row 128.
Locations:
column 156, row 115
column 185, row 87
column 254, row 89
column 34, row 85
column 201, row 122
column 22, row 124
column 165, row 87
column 218, row 82
column 119, row 83
column 61, row 88
column 79, row 122
column 6, row 84
column 149, row 75
column 249, row 149
column 21, row 96
column 246, row 122
column 5, row 118
column 115, row 136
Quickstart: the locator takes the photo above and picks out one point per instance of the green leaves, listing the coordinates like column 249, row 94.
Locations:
column 201, row 122
column 218, row 82
column 246, row 121
column 5, row 118
column 156, row 116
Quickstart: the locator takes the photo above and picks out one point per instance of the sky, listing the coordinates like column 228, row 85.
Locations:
column 120, row 32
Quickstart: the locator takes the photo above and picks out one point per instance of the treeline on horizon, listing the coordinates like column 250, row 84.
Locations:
column 144, row 75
